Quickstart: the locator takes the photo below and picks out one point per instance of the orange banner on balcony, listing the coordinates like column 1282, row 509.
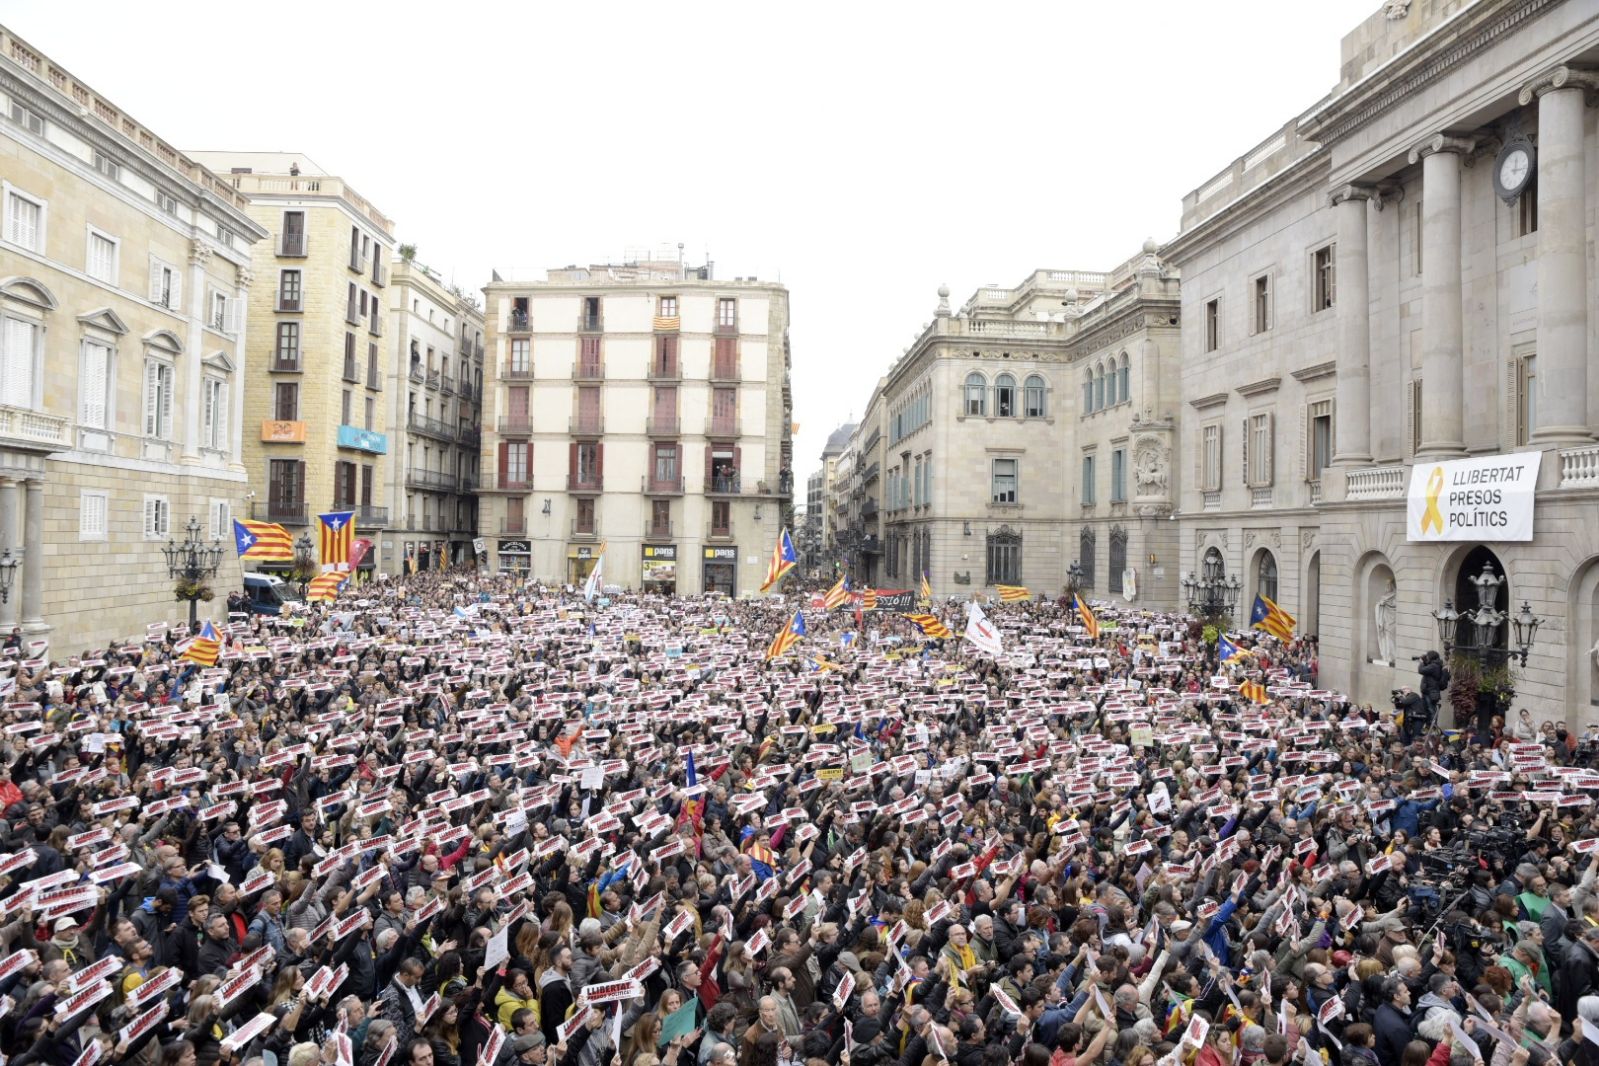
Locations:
column 275, row 432
column 666, row 322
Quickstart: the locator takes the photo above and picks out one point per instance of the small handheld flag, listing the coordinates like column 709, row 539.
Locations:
column 1272, row 618
column 266, row 541
column 930, row 626
column 927, row 589
column 1226, row 650
column 1254, row 691
column 787, row 637
column 325, row 587
column 784, row 559
column 1086, row 613
column 838, row 595
column 205, row 648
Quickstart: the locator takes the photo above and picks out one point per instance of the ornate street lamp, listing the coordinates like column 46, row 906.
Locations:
column 8, row 574
column 304, row 563
column 1074, row 578
column 1448, row 620
column 1212, row 595
column 190, row 564
column 1525, row 625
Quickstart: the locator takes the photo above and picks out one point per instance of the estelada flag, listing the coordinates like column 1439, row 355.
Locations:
column 337, row 532
column 266, row 541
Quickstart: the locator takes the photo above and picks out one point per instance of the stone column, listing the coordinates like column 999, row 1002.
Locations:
column 187, row 376
column 1442, row 350
column 33, row 559
column 1353, row 445
column 240, row 367
column 1562, row 379
column 10, row 538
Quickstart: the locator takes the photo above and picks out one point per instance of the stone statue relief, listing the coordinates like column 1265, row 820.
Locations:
column 1387, row 611
column 1149, row 471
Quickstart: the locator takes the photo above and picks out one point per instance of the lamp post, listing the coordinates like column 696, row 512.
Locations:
column 303, row 562
column 1074, row 578
column 1211, row 596
column 8, row 574
column 1477, row 642
column 190, row 564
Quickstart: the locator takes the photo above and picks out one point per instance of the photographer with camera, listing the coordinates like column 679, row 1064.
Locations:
column 1412, row 709
column 1434, row 679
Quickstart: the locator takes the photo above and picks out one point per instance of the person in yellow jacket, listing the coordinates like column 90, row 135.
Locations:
column 515, row 994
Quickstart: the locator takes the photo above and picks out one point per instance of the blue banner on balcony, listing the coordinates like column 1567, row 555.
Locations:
column 365, row 439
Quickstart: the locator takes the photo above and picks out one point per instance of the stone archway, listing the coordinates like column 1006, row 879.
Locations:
column 1310, row 623
column 1374, row 610
column 1582, row 635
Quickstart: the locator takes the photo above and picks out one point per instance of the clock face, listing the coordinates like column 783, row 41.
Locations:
column 1514, row 168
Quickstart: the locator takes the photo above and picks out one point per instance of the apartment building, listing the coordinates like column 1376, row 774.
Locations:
column 435, row 397
column 124, row 268
column 314, row 403
column 645, row 407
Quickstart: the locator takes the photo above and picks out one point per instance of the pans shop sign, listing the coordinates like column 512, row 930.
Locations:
column 1489, row 498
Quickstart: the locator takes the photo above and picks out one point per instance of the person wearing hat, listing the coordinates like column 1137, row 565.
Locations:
column 65, row 945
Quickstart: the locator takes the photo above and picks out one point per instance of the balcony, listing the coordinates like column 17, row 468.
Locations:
column 589, row 324
column 430, row 480
column 417, row 374
column 513, row 483
column 666, row 370
column 292, row 245
column 288, row 303
column 283, row 363
column 447, row 386
column 469, row 436
column 467, row 486
column 380, row 274
column 716, row 532
column 465, row 347
column 284, row 512
column 667, row 323
column 376, row 326
column 357, row 261
column 585, row 483
column 870, row 474
column 723, row 427
column 725, row 370
column 516, row 426
column 872, row 546
column 351, row 373
column 657, row 486
column 516, row 373
column 513, row 527
column 352, row 314
column 369, row 517
column 433, row 379
column 582, row 529
column 477, row 349
column 586, row 425
column 869, row 508
column 519, row 322
column 431, row 427
column 723, row 485
column 662, row 426
column 657, row 530
column 1377, row 483
column 727, row 329
column 589, row 370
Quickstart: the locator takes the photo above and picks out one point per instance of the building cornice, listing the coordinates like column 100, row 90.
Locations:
column 1215, row 399
column 1139, row 314
column 1426, row 60
column 1299, row 176
column 1318, row 370
column 1257, row 388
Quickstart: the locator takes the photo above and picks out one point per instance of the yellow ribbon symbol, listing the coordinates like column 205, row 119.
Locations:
column 1432, row 516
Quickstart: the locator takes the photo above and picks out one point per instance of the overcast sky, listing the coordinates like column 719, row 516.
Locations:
column 861, row 153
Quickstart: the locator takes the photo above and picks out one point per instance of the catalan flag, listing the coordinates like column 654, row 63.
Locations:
column 930, row 626
column 266, row 541
column 818, row 662
column 325, row 587
column 787, row 638
column 838, row 595
column 1226, row 650
column 205, row 648
column 337, row 529
column 784, row 559
column 869, row 599
column 1013, row 593
column 1272, row 618
column 927, row 589
column 1254, row 691
column 1086, row 613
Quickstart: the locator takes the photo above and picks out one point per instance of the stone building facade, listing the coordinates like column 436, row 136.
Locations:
column 124, row 267
column 435, row 418
column 317, row 437
column 1415, row 311
column 645, row 407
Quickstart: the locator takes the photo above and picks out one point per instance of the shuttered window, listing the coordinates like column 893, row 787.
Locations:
column 158, row 380
column 92, row 406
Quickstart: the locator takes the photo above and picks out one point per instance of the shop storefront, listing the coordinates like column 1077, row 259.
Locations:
column 721, row 569
column 658, row 571
column 515, row 556
column 580, row 559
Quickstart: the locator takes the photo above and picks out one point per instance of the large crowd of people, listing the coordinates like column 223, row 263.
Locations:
column 454, row 819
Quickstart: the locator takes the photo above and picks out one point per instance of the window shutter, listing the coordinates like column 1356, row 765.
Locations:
column 93, row 386
column 709, row 469
column 151, row 398
column 219, row 415
column 166, row 401
column 599, row 463
column 149, row 517
column 1271, row 448
column 505, row 453
column 208, row 413
column 155, row 280
column 571, row 460
column 1245, row 450
column 738, row 467
column 177, row 290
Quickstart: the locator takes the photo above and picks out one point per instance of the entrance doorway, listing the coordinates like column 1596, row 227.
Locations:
column 1481, row 583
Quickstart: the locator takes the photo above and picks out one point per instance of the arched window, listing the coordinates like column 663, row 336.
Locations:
column 1085, row 557
column 1266, row 576
column 1005, row 396
column 1126, row 391
column 1110, row 384
column 1118, row 557
column 976, row 386
column 1034, row 397
column 1215, row 566
column 1088, row 391
column 1004, row 557
column 1099, row 388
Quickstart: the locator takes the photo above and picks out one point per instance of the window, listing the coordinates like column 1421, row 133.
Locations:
column 1118, row 559
column 93, row 508
column 1005, row 396
column 1526, row 397
column 660, row 518
column 167, row 204
column 373, row 381
column 293, row 242
column 1212, row 325
column 366, row 485
column 157, row 518
column 668, row 307
column 343, row 484
column 94, row 386
column 727, row 312
column 518, row 462
column 1320, row 438
column 721, row 518
column 1259, row 447
column 1088, row 391
column 666, row 464
column 1415, row 416
column 225, row 236
column 1323, row 278
column 286, row 401
column 101, row 260
column 220, row 320
column 1126, row 375
column 585, row 515
column 214, row 414
column 1416, row 232
column 371, row 404
column 26, row 119
column 289, row 290
column 588, row 463
column 1118, row 476
column 1526, row 209
column 221, row 516
column 344, row 408
column 521, row 356
column 1099, row 388
column 285, row 486
column 349, row 360
column 591, row 313
column 1085, row 557
column 288, row 351
column 25, row 218
column 158, row 378
column 916, row 483
column 1088, row 481
column 1262, row 303
column 1210, row 459
column 166, row 284
column 1266, row 576
column 107, row 166
column 1034, row 396
column 976, row 386
column 18, row 362
column 1002, row 481
column 1004, row 557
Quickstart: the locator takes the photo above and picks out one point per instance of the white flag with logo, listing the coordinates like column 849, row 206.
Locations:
column 591, row 587
column 981, row 632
